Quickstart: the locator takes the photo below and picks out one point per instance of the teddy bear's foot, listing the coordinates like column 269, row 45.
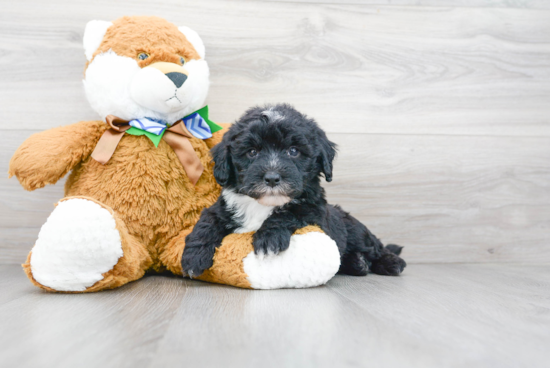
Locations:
column 79, row 246
column 311, row 260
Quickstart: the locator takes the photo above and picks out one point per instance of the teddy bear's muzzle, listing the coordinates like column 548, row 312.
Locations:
column 176, row 73
column 177, row 78
column 160, row 87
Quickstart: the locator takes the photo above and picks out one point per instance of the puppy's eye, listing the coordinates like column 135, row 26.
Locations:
column 293, row 152
column 252, row 153
column 182, row 60
column 143, row 55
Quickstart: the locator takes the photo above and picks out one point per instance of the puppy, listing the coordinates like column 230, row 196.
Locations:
column 269, row 164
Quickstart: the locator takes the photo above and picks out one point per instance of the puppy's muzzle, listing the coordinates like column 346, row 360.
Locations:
column 272, row 179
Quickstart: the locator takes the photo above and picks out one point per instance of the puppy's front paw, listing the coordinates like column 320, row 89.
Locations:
column 271, row 242
column 196, row 260
column 388, row 264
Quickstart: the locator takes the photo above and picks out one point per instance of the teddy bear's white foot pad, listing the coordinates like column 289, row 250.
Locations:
column 77, row 244
column 310, row 260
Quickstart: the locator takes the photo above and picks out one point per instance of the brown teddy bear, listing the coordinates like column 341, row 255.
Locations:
column 140, row 178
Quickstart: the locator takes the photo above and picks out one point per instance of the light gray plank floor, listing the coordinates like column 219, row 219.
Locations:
column 454, row 315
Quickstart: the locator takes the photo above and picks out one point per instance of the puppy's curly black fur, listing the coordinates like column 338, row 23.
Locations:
column 275, row 155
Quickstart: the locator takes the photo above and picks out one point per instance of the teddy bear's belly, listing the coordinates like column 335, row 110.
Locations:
column 148, row 188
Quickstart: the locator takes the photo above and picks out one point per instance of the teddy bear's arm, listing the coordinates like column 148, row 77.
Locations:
column 217, row 137
column 46, row 157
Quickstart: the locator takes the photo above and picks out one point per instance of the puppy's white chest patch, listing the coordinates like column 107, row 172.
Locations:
column 247, row 212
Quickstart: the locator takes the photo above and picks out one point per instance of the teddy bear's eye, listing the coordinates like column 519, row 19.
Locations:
column 143, row 56
column 182, row 60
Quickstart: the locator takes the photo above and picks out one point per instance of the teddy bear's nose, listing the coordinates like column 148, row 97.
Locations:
column 177, row 78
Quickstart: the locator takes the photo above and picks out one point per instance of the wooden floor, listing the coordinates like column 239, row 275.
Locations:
column 459, row 315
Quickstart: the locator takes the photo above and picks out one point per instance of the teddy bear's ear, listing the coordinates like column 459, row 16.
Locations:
column 93, row 35
column 195, row 40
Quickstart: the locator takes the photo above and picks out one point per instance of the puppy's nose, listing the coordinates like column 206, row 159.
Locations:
column 177, row 78
column 272, row 178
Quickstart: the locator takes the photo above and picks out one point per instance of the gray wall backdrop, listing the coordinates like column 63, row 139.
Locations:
column 441, row 109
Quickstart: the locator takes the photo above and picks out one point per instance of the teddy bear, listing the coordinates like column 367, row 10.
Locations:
column 140, row 177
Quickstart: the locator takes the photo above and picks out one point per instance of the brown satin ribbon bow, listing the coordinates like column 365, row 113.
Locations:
column 177, row 137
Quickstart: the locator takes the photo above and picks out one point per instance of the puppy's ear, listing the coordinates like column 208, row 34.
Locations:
column 327, row 154
column 223, row 166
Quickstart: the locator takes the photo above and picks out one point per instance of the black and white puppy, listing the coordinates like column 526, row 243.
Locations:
column 269, row 164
